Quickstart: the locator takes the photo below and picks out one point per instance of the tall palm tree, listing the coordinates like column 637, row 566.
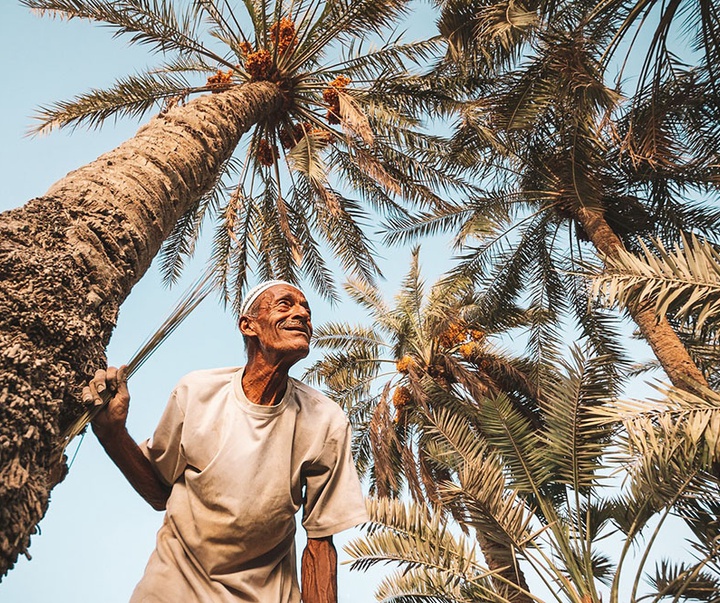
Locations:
column 69, row 258
column 427, row 352
column 566, row 162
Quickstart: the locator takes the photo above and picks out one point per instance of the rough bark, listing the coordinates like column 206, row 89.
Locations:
column 69, row 259
column 657, row 331
column 501, row 558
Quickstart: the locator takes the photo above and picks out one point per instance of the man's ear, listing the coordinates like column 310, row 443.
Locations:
column 245, row 326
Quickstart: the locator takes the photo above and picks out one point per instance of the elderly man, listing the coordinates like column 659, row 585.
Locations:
column 237, row 452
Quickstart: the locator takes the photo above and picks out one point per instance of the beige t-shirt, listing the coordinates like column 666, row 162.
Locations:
column 239, row 473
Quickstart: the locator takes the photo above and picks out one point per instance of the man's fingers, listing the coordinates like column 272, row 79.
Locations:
column 87, row 396
column 111, row 378
column 107, row 385
column 122, row 377
column 99, row 380
column 90, row 394
column 116, row 376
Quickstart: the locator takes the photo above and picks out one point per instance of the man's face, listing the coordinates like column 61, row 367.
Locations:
column 282, row 322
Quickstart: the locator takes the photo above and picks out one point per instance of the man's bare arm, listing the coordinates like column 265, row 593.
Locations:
column 319, row 571
column 110, row 429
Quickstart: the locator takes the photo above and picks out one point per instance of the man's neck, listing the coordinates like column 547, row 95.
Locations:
column 264, row 384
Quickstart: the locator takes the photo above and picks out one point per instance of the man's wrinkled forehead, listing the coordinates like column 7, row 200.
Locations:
column 256, row 292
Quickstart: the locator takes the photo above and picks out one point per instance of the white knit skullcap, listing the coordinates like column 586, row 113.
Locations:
column 257, row 290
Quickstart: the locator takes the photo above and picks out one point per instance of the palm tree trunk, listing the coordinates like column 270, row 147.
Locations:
column 666, row 345
column 500, row 558
column 69, row 259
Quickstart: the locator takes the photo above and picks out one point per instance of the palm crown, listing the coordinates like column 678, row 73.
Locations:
column 276, row 209
column 429, row 350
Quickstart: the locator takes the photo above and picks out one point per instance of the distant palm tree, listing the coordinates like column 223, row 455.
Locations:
column 69, row 258
column 429, row 352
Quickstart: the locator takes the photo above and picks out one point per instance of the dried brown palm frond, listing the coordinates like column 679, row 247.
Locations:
column 371, row 166
column 353, row 118
column 190, row 300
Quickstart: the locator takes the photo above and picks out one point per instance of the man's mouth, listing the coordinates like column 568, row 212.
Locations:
column 297, row 327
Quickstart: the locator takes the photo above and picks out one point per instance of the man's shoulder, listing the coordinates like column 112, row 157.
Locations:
column 206, row 379
column 315, row 403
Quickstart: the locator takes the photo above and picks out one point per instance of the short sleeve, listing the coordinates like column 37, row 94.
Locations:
column 333, row 497
column 164, row 448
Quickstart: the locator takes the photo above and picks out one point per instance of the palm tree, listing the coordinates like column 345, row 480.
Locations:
column 559, row 535
column 69, row 258
column 425, row 353
column 566, row 162
column 668, row 449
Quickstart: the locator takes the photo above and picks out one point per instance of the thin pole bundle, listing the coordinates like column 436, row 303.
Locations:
column 190, row 300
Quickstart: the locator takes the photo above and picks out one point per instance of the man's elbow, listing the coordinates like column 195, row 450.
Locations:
column 158, row 504
column 158, row 500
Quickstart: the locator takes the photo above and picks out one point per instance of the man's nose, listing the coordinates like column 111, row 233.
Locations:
column 301, row 311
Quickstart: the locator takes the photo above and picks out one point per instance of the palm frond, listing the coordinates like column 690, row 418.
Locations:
column 685, row 581
column 482, row 491
column 574, row 445
column 411, row 535
column 152, row 22
column 131, row 96
column 305, row 157
column 684, row 282
column 513, row 436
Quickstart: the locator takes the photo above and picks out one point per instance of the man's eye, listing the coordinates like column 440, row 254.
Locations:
column 283, row 304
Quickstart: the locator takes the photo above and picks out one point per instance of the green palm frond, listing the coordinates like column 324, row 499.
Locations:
column 393, row 56
column 680, row 433
column 131, row 96
column 685, row 581
column 455, row 440
column 492, row 508
column 420, row 585
column 413, row 536
column 157, row 23
column 513, row 436
column 701, row 513
column 411, row 295
column 359, row 17
column 367, row 296
column 684, row 282
column 484, row 34
column 344, row 335
column 352, row 362
column 669, row 448
column 403, row 228
column 180, row 243
column 574, row 446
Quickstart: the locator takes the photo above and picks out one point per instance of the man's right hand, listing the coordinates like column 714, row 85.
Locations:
column 111, row 419
column 109, row 427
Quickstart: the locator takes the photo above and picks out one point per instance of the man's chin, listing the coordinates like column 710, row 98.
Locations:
column 298, row 353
